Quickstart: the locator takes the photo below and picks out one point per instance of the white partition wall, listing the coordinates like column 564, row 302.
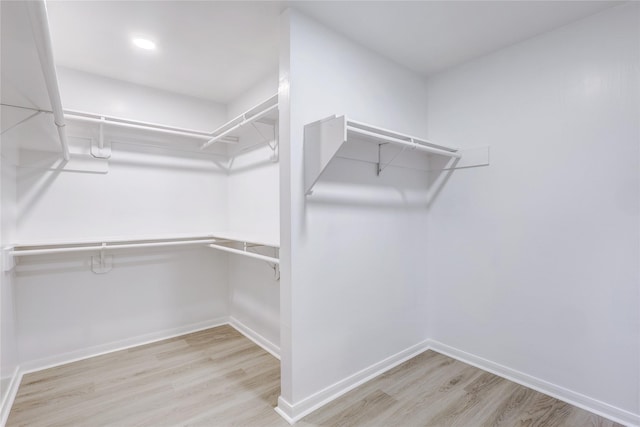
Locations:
column 353, row 251
column 528, row 268
column 534, row 261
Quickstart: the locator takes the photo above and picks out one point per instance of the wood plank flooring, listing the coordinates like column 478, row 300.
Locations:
column 218, row 377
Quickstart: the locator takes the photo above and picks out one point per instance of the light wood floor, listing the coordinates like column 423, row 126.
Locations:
column 218, row 377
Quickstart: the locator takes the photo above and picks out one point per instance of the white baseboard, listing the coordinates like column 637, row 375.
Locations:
column 85, row 353
column 283, row 412
column 587, row 403
column 292, row 413
column 255, row 337
column 9, row 397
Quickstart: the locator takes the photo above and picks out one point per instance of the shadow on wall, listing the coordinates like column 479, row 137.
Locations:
column 261, row 164
column 348, row 182
column 439, row 176
column 138, row 190
column 36, row 182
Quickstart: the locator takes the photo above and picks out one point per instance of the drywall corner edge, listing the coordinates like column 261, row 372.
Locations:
column 587, row 403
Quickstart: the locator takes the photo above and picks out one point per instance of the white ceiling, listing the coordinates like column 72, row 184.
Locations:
column 429, row 36
column 212, row 50
column 218, row 49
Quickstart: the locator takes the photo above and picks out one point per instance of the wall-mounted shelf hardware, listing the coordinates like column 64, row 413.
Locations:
column 100, row 264
column 265, row 112
column 226, row 241
column 245, row 252
column 249, row 239
column 327, row 138
column 135, row 124
column 382, row 136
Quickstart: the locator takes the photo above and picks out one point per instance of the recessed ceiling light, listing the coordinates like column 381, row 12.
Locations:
column 145, row 44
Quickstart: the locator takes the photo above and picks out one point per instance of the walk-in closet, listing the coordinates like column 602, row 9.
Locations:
column 263, row 213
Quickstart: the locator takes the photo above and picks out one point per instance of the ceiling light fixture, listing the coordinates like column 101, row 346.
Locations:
column 145, row 44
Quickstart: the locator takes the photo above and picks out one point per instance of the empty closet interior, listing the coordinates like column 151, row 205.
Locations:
column 132, row 211
column 346, row 184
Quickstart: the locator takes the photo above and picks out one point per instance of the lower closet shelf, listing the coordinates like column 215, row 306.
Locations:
column 227, row 241
column 220, row 241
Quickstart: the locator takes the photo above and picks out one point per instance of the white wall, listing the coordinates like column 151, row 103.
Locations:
column 353, row 252
column 61, row 307
column 253, row 205
column 101, row 95
column 533, row 261
column 262, row 90
column 146, row 191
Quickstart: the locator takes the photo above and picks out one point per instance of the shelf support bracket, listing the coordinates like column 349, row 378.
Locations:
column 382, row 167
column 273, row 265
column 8, row 260
column 103, row 263
column 276, row 144
column 100, row 150
column 271, row 142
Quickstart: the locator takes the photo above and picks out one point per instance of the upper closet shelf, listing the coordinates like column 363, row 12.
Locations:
column 29, row 80
column 323, row 139
column 266, row 112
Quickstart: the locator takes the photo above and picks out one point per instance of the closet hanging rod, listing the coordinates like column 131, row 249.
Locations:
column 106, row 246
column 409, row 144
column 42, row 37
column 253, row 114
column 132, row 124
column 245, row 253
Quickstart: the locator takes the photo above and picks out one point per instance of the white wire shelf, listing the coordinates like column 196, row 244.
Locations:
column 326, row 139
column 266, row 112
column 102, row 119
column 103, row 245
